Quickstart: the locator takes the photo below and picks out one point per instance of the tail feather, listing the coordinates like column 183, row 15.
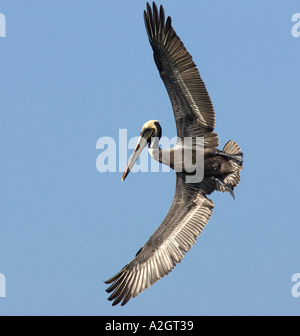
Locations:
column 234, row 150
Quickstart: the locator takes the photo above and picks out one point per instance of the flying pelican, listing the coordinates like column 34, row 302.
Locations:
column 191, row 209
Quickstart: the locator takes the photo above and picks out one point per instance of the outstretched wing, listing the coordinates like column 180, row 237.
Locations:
column 186, row 219
column 193, row 109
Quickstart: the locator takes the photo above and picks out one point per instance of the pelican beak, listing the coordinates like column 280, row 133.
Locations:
column 141, row 144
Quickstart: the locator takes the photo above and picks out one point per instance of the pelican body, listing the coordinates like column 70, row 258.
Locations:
column 195, row 120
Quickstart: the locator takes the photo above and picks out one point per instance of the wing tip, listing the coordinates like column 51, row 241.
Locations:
column 155, row 21
column 120, row 292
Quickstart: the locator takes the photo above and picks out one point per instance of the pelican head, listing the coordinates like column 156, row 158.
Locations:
column 150, row 134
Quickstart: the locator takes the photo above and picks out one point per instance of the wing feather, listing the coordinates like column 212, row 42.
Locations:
column 188, row 215
column 193, row 109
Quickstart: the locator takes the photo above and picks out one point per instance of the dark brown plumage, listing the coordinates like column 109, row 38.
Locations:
column 191, row 209
column 193, row 110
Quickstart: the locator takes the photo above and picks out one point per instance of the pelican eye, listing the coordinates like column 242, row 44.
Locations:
column 147, row 131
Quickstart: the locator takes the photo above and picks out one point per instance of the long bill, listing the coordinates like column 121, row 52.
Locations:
column 141, row 144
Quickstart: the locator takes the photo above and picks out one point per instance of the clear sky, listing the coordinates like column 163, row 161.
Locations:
column 74, row 71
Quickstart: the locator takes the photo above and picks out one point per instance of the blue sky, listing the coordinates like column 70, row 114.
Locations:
column 74, row 71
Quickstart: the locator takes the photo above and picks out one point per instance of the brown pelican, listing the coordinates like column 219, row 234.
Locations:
column 191, row 209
